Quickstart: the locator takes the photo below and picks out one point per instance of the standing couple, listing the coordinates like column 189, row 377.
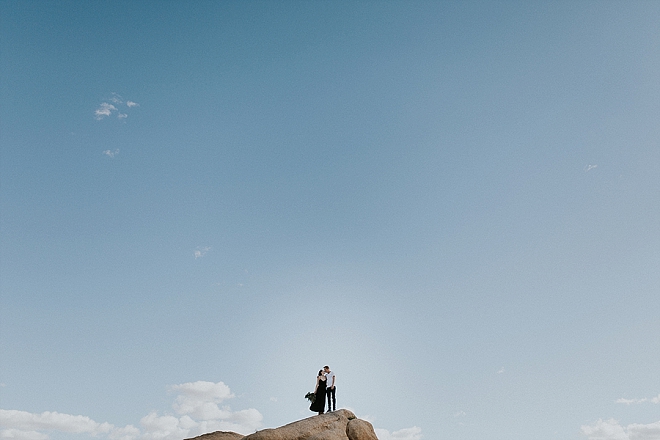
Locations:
column 325, row 386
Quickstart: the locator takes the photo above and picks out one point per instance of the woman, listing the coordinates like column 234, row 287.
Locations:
column 319, row 391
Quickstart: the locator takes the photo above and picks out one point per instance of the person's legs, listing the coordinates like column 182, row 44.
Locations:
column 332, row 401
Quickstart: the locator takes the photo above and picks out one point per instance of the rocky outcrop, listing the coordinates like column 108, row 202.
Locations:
column 328, row 426
column 336, row 425
column 219, row 435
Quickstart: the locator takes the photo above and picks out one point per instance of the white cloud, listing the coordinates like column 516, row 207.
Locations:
column 164, row 427
column 413, row 433
column 612, row 430
column 17, row 434
column 638, row 431
column 196, row 407
column 204, row 390
column 604, row 430
column 26, row 421
column 588, row 168
column 201, row 251
column 128, row 432
column 627, row 401
column 111, row 153
column 200, row 399
column 638, row 401
column 500, row 371
column 459, row 414
column 104, row 110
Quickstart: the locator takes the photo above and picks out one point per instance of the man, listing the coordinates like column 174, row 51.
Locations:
column 330, row 388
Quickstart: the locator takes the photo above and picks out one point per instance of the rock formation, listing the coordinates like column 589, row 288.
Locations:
column 220, row 435
column 358, row 429
column 336, row 425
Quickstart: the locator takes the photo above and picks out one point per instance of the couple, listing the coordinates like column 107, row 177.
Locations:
column 325, row 386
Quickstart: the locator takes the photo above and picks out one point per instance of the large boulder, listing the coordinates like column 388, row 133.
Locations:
column 358, row 429
column 328, row 426
column 336, row 425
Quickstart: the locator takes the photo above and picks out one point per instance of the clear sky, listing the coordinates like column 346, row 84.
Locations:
column 455, row 205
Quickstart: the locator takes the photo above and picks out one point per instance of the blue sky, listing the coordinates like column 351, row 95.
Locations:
column 453, row 204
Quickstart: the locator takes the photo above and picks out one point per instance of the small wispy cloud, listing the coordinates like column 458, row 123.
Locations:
column 459, row 414
column 588, row 168
column 501, row 371
column 111, row 153
column 117, row 99
column 201, row 251
column 638, row 401
column 106, row 109
column 629, row 401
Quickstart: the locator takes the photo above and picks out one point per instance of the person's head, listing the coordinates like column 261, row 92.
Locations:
column 326, row 369
column 320, row 372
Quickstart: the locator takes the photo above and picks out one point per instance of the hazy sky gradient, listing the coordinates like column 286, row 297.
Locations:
column 456, row 205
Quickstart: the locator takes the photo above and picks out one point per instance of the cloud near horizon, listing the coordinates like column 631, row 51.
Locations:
column 612, row 430
column 196, row 408
column 414, row 433
column 20, row 421
column 196, row 412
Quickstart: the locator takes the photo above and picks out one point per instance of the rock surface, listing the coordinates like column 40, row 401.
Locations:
column 336, row 425
column 328, row 426
column 358, row 429
column 219, row 435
